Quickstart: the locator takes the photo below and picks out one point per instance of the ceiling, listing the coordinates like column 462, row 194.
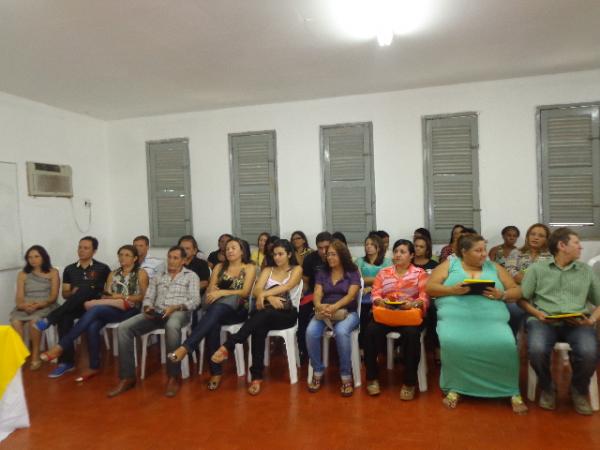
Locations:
column 116, row 59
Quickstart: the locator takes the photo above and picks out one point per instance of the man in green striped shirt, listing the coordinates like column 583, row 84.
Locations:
column 562, row 286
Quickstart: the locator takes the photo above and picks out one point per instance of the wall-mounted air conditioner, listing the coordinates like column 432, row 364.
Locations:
column 49, row 180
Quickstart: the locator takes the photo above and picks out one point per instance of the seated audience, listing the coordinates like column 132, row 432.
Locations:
column 449, row 249
column 385, row 238
column 423, row 259
column 167, row 304
column 153, row 266
column 534, row 249
column 300, row 244
column 479, row 353
column 82, row 281
column 124, row 291
column 37, row 291
column 198, row 266
column 400, row 282
column 226, row 302
column 218, row 256
column 276, row 289
column 369, row 266
column 313, row 264
column 268, row 250
column 507, row 250
column 258, row 254
column 562, row 285
column 336, row 289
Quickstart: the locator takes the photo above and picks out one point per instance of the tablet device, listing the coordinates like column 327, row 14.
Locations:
column 476, row 286
column 564, row 316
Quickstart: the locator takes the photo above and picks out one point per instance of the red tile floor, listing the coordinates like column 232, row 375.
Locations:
column 65, row 415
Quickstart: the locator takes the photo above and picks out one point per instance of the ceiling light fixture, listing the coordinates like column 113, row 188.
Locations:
column 366, row 19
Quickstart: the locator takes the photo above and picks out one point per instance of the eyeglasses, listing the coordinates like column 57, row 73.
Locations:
column 329, row 254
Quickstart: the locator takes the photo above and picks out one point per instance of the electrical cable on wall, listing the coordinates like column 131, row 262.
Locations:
column 89, row 208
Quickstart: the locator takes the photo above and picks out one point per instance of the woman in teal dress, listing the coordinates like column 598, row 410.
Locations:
column 479, row 352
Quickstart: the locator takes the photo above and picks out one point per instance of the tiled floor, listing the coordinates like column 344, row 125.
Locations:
column 65, row 415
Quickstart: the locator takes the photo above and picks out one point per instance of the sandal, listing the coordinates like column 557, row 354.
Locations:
column 214, row 382
column 177, row 355
column 254, row 388
column 315, row 384
column 518, row 405
column 451, row 400
column 373, row 388
column 35, row 365
column 407, row 392
column 220, row 355
column 347, row 389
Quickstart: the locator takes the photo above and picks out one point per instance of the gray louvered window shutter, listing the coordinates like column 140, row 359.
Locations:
column 451, row 173
column 169, row 191
column 347, row 153
column 570, row 168
column 254, row 184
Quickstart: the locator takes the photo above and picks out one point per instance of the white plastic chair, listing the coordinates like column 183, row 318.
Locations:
column 562, row 347
column 238, row 353
column 355, row 355
column 422, row 369
column 289, row 338
column 160, row 332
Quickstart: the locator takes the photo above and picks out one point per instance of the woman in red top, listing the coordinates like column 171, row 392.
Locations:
column 400, row 282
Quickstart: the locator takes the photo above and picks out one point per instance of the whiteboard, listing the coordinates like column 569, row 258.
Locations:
column 11, row 242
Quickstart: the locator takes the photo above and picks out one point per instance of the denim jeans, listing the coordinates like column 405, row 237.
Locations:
column 517, row 315
column 93, row 321
column 342, row 332
column 541, row 338
column 209, row 327
column 139, row 325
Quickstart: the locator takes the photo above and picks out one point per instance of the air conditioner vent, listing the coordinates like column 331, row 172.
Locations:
column 49, row 180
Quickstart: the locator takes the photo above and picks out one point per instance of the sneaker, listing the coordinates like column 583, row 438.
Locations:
column 42, row 324
column 373, row 388
column 581, row 403
column 547, row 400
column 61, row 369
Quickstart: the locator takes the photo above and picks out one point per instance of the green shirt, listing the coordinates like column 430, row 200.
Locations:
column 558, row 291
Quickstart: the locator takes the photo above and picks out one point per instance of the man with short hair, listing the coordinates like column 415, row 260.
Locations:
column 82, row 281
column 167, row 304
column 561, row 286
column 312, row 264
column 153, row 266
column 192, row 262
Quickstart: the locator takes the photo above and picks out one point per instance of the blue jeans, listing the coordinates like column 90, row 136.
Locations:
column 517, row 315
column 342, row 331
column 93, row 321
column 541, row 338
column 209, row 327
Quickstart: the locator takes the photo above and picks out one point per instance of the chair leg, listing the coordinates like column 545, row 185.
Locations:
column 144, row 340
column 106, row 339
column 115, row 339
column 249, row 376
column 290, row 349
column 267, row 358
column 422, row 370
column 531, row 383
column 594, row 392
column 310, row 372
column 239, row 360
column 201, row 356
column 390, row 353
column 325, row 350
column 163, row 349
column 185, row 363
column 356, row 360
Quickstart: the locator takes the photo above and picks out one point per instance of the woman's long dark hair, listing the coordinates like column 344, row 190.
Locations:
column 380, row 253
column 452, row 232
column 302, row 235
column 344, row 255
column 133, row 250
column 46, row 264
column 287, row 246
column 428, row 249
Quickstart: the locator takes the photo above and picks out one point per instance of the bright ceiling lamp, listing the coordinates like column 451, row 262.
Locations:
column 366, row 19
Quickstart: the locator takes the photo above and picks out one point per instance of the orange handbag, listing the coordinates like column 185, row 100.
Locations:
column 397, row 317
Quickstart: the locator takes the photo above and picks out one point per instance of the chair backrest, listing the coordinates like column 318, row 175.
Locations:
column 360, row 295
column 594, row 263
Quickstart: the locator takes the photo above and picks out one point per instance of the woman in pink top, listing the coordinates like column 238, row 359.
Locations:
column 402, row 281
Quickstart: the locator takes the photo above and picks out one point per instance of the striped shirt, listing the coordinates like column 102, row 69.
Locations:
column 183, row 289
column 389, row 285
column 554, row 290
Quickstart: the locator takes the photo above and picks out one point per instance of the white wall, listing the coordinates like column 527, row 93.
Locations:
column 508, row 171
column 35, row 132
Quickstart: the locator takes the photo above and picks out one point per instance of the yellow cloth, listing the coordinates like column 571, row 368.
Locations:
column 12, row 355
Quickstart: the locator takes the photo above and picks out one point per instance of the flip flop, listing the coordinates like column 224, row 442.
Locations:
column 85, row 377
